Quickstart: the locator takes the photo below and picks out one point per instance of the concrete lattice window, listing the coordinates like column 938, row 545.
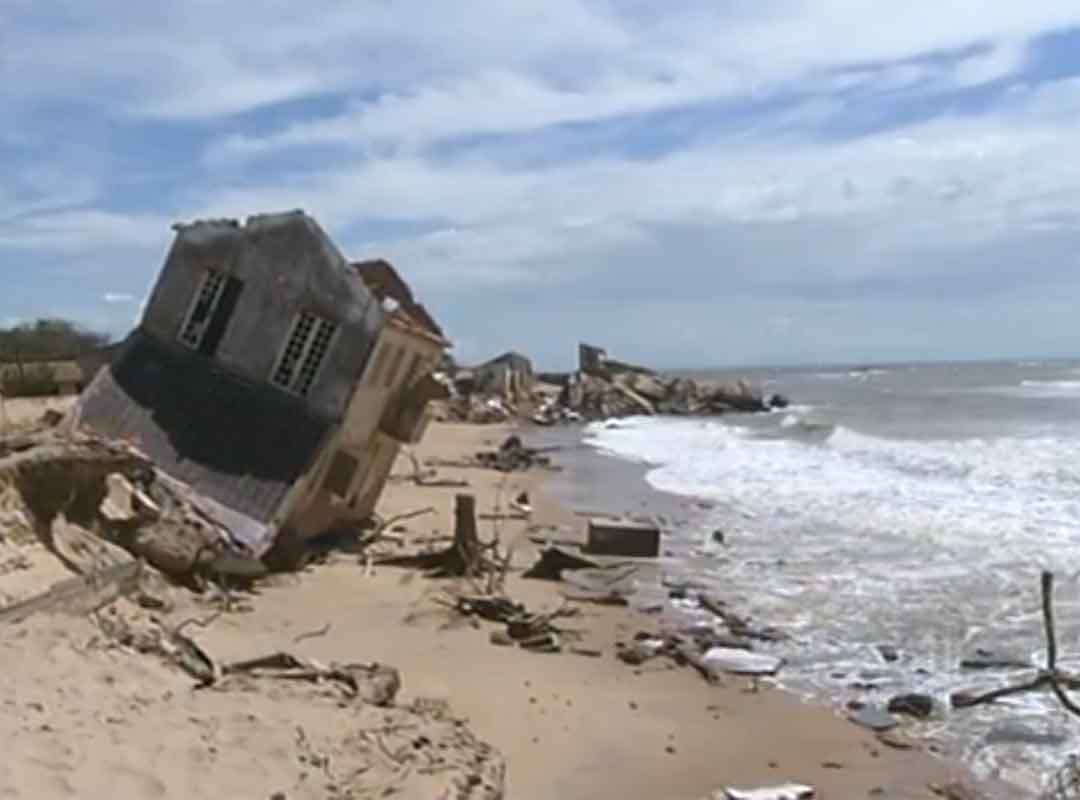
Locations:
column 202, row 308
column 304, row 353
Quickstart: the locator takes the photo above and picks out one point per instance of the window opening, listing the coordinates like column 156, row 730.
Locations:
column 304, row 353
column 202, row 308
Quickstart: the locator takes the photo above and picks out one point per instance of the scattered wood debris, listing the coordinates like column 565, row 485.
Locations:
column 531, row 631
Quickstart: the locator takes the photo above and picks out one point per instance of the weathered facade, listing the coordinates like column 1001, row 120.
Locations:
column 245, row 378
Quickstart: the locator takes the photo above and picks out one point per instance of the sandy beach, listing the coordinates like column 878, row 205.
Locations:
column 87, row 718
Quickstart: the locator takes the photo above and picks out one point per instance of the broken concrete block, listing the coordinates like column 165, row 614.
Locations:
column 117, row 505
column 787, row 791
column 739, row 662
column 618, row 536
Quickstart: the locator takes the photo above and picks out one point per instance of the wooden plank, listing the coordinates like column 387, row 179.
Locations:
column 79, row 595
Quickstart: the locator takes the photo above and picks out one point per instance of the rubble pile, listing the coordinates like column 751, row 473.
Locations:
column 601, row 388
column 95, row 502
column 513, row 456
column 634, row 393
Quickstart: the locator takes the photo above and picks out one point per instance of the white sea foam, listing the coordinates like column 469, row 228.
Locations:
column 1050, row 388
column 850, row 539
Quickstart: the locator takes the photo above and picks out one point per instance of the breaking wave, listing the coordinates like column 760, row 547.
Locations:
column 1016, row 490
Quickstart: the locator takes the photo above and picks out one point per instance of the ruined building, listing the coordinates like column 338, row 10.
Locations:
column 271, row 376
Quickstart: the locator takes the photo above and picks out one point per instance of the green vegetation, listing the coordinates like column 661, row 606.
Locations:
column 47, row 340
column 29, row 356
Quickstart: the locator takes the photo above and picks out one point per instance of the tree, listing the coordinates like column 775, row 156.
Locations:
column 48, row 339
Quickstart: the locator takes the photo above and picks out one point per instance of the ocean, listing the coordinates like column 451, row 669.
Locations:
column 906, row 505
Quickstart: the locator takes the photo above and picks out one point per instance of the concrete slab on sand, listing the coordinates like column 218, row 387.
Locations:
column 622, row 536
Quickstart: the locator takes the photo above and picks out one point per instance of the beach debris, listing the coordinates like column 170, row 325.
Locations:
column 611, row 585
column 554, row 561
column 363, row 743
column 738, row 625
column 640, row 650
column 529, row 630
column 1048, row 677
column 740, row 662
column 956, row 790
column 372, row 683
column 522, row 504
column 888, row 652
column 429, row 478
column 913, row 705
column 691, row 649
column 513, row 456
column 622, row 536
column 786, row 791
column 80, row 595
column 983, row 659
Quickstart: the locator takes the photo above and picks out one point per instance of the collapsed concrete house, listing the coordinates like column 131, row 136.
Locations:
column 509, row 376
column 271, row 376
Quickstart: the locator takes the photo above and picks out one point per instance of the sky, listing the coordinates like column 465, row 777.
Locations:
column 694, row 183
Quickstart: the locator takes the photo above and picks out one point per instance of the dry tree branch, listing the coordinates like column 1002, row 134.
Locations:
column 1050, row 676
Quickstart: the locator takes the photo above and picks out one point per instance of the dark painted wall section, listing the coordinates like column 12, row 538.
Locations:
column 288, row 265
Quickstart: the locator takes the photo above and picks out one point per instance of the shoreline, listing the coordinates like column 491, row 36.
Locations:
column 721, row 736
column 692, row 513
column 88, row 711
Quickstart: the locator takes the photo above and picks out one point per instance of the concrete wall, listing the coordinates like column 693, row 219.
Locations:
column 372, row 395
column 360, row 436
column 287, row 265
column 382, row 454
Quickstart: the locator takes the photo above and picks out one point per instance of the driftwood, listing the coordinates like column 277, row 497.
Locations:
column 1049, row 677
column 376, row 684
column 79, row 595
column 386, row 524
column 533, row 631
column 553, row 562
column 739, row 626
column 428, row 479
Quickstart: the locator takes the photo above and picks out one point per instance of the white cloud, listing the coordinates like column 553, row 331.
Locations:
column 384, row 84
column 950, row 183
column 84, row 230
column 119, row 297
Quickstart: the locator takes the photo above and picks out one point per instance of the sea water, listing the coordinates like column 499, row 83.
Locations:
column 912, row 506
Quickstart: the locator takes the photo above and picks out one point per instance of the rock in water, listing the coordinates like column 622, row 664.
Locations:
column 914, row 705
column 888, row 652
column 988, row 659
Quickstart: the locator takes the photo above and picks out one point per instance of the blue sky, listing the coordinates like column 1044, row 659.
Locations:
column 715, row 183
